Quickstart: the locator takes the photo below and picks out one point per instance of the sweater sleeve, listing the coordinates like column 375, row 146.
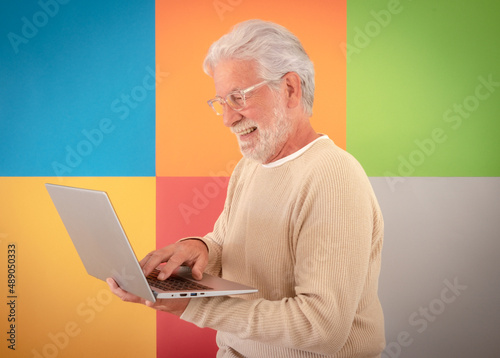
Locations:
column 333, row 273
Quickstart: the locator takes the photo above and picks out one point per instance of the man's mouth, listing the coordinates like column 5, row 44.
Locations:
column 246, row 131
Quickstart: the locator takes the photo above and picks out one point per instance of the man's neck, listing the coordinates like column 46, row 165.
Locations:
column 299, row 138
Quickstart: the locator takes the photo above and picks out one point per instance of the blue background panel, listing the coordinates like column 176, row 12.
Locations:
column 78, row 88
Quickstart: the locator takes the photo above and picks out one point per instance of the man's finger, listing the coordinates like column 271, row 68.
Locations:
column 198, row 268
column 122, row 294
column 153, row 259
column 170, row 266
column 115, row 289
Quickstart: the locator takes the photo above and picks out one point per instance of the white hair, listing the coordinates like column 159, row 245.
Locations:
column 275, row 49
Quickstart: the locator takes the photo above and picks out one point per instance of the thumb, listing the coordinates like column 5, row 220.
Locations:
column 197, row 271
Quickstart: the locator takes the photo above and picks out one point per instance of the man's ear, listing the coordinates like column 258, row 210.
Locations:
column 293, row 89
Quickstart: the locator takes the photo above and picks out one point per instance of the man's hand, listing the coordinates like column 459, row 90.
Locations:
column 192, row 253
column 175, row 306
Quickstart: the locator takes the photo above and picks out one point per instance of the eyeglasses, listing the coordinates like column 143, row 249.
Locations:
column 236, row 99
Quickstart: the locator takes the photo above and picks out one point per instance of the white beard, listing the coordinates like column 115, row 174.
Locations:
column 270, row 140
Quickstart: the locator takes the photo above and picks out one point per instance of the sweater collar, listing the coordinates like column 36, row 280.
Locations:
column 294, row 155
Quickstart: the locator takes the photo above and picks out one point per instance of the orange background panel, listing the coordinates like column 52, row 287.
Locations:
column 191, row 140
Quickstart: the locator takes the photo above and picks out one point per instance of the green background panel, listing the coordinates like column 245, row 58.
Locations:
column 413, row 68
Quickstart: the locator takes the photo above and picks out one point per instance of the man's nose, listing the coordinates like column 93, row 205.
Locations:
column 230, row 116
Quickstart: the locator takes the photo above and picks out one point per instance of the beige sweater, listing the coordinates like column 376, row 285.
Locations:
column 308, row 234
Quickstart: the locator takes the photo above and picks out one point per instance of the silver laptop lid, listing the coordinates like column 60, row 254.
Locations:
column 99, row 238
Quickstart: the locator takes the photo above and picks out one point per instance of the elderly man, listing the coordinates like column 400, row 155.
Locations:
column 300, row 223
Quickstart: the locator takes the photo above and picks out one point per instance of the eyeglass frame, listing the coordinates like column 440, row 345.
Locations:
column 242, row 93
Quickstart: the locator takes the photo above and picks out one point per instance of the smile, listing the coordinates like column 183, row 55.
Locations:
column 246, row 131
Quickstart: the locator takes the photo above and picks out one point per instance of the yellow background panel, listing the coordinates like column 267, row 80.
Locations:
column 60, row 310
column 191, row 140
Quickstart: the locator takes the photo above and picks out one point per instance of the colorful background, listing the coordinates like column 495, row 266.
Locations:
column 112, row 96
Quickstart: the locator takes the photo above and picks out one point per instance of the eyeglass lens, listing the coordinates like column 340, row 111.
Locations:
column 218, row 107
column 233, row 100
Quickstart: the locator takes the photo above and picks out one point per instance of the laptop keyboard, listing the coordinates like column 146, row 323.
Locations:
column 174, row 283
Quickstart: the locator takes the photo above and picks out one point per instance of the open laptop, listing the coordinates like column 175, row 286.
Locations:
column 105, row 251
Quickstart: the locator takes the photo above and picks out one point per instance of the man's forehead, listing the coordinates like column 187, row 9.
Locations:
column 231, row 75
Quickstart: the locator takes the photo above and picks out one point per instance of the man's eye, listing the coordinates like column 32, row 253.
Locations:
column 236, row 98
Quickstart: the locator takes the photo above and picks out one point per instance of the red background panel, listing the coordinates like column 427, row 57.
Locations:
column 186, row 206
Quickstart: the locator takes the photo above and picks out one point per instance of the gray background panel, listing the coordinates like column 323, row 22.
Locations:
column 440, row 279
